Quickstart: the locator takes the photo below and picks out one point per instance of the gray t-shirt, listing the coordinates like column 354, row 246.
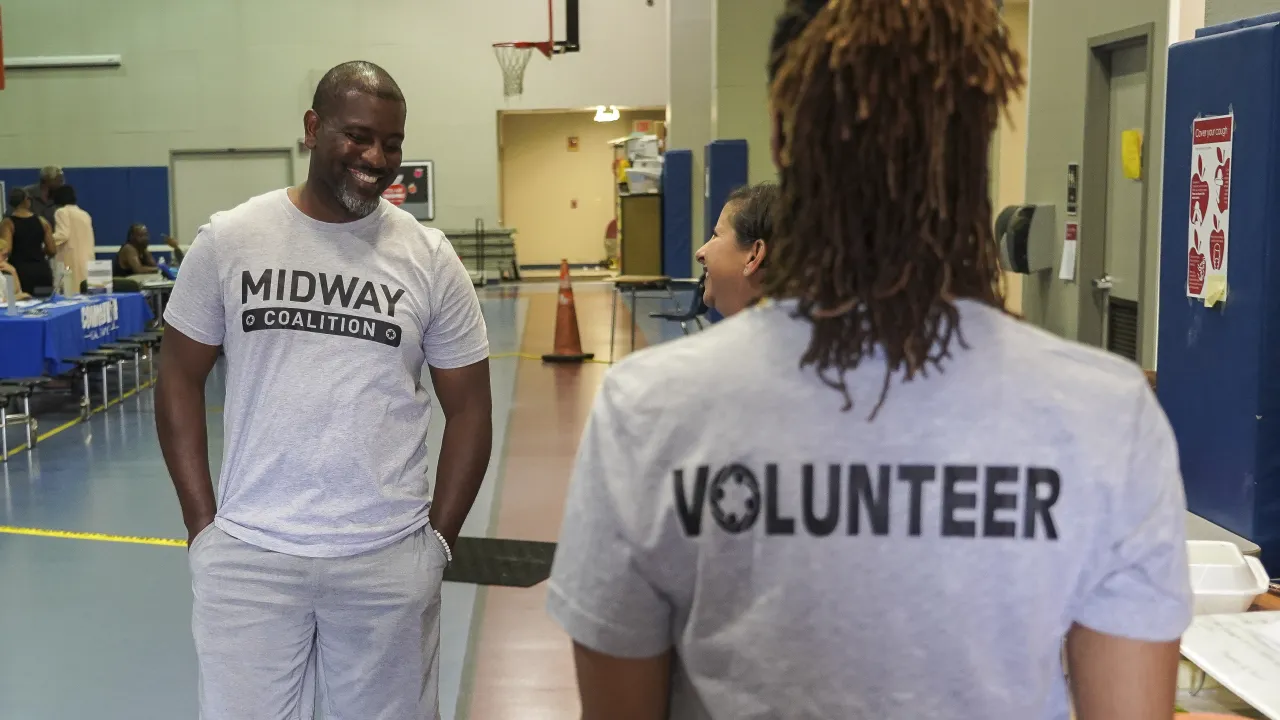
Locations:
column 806, row 563
column 40, row 206
column 326, row 329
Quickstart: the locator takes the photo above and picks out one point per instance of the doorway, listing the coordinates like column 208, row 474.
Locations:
column 557, row 183
column 1114, row 227
column 210, row 181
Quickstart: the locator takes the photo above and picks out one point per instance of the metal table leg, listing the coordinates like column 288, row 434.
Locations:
column 26, row 412
column 613, row 323
column 106, row 399
column 633, row 319
column 4, row 433
column 87, row 401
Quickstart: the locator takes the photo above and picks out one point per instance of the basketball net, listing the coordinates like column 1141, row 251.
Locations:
column 513, row 59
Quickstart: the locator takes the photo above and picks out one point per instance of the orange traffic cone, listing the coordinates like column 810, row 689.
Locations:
column 568, row 348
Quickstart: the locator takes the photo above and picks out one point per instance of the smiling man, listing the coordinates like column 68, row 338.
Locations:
column 319, row 562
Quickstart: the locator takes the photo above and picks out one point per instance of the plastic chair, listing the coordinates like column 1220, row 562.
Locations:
column 84, row 365
column 7, row 395
column 115, row 359
column 24, row 388
column 696, row 309
column 134, row 349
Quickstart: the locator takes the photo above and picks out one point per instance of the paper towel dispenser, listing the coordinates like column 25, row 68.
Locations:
column 1027, row 235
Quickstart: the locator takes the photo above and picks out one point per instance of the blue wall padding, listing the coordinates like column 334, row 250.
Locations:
column 677, row 214
column 1238, row 25
column 1219, row 368
column 726, row 171
column 115, row 197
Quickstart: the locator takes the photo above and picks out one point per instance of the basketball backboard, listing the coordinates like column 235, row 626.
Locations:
column 572, row 42
column 513, row 56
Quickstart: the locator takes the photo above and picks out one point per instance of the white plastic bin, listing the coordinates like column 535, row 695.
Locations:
column 1222, row 578
column 643, row 181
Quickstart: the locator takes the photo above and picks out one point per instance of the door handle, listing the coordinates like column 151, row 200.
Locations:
column 1104, row 283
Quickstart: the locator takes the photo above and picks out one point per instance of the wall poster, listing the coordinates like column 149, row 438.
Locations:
column 414, row 189
column 1209, row 230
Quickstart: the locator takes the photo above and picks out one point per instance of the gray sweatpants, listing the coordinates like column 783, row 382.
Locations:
column 364, row 629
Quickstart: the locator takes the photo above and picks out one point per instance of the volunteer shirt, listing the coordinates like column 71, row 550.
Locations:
column 326, row 329
column 806, row 563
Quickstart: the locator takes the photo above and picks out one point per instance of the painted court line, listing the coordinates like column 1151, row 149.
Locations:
column 72, row 423
column 136, row 540
column 95, row 537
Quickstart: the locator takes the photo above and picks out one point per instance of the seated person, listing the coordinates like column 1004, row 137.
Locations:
column 7, row 269
column 733, row 257
column 135, row 256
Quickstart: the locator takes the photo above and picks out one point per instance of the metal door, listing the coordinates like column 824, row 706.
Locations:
column 1120, row 283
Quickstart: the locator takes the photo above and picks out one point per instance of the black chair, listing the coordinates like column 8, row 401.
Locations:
column 151, row 341
column 8, row 395
column 134, row 350
column 85, row 364
column 697, row 308
column 23, row 388
column 115, row 359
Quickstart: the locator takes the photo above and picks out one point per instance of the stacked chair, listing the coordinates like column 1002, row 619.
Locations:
column 16, row 393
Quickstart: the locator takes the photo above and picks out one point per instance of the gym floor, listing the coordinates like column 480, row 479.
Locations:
column 91, row 627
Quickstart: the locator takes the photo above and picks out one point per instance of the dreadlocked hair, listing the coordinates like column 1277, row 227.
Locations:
column 886, row 111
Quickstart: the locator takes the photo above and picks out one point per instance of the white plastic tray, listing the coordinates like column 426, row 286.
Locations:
column 1223, row 579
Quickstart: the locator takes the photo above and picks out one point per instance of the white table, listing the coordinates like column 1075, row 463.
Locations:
column 1200, row 529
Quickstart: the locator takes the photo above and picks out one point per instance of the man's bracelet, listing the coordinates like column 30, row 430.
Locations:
column 448, row 554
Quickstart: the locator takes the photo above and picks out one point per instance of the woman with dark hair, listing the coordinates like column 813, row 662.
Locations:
column 29, row 239
column 798, row 514
column 73, row 235
column 734, row 256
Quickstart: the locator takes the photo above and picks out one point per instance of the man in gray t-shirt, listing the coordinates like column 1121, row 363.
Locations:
column 879, row 497
column 41, row 193
column 320, row 562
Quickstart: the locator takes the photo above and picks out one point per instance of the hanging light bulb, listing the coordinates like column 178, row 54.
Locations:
column 609, row 115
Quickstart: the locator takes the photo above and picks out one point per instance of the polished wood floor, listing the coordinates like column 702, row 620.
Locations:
column 522, row 662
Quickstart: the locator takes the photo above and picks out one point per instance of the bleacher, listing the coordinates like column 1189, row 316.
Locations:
column 488, row 253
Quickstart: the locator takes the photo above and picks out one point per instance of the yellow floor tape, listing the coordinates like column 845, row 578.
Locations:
column 96, row 537
column 168, row 542
column 71, row 423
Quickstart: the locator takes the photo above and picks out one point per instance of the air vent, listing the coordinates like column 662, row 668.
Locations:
column 1122, row 328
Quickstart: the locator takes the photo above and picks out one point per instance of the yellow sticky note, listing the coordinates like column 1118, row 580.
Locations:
column 1215, row 290
column 1131, row 151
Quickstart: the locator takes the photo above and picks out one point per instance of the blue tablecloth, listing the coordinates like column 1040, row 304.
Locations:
column 37, row 341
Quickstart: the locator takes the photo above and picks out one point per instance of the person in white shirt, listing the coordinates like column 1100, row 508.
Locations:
column 876, row 495
column 72, row 235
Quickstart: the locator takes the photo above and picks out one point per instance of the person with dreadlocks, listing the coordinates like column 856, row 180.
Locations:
column 877, row 494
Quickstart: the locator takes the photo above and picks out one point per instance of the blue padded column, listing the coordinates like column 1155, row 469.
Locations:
column 677, row 214
column 1219, row 368
column 726, row 171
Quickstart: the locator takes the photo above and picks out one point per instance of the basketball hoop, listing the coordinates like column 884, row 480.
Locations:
column 513, row 58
